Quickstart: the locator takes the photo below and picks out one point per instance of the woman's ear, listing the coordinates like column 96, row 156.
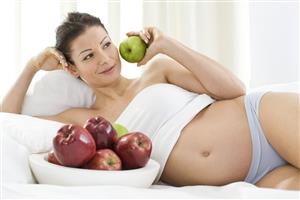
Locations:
column 72, row 70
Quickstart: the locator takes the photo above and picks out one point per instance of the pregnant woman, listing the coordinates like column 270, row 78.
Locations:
column 204, row 128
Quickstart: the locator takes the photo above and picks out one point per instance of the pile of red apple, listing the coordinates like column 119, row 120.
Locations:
column 96, row 145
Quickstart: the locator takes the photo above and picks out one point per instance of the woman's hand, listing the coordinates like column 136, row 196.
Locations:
column 154, row 38
column 48, row 60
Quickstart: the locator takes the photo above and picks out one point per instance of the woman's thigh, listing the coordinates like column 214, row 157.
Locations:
column 279, row 117
column 285, row 177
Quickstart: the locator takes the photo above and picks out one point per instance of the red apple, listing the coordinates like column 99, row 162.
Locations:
column 134, row 149
column 73, row 145
column 105, row 159
column 51, row 158
column 102, row 131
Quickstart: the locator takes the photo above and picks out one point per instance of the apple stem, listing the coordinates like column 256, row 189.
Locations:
column 66, row 134
column 140, row 143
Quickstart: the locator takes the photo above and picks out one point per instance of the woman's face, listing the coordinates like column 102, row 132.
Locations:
column 96, row 59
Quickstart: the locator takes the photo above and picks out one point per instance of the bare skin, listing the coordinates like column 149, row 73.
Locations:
column 212, row 152
column 215, row 146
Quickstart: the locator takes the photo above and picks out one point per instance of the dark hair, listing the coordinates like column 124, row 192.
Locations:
column 74, row 25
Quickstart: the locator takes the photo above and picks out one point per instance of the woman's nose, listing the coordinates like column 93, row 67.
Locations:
column 103, row 58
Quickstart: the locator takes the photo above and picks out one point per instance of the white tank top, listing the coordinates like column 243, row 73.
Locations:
column 161, row 111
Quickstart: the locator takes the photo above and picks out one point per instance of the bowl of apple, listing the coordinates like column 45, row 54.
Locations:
column 98, row 153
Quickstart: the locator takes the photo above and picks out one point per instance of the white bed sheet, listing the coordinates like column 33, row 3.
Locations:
column 234, row 190
column 16, row 186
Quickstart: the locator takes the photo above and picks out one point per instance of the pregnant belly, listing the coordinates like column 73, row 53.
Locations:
column 213, row 149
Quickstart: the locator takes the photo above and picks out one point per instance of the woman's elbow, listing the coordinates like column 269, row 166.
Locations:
column 234, row 92
column 240, row 89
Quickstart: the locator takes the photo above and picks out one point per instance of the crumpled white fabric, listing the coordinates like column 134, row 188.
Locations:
column 34, row 134
column 22, row 135
column 15, row 166
column 233, row 190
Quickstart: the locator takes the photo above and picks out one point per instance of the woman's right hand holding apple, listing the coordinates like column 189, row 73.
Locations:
column 48, row 60
column 154, row 39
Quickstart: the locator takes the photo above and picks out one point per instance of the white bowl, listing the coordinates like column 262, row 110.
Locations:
column 48, row 173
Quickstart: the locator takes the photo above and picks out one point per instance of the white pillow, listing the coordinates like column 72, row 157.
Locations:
column 21, row 136
column 55, row 92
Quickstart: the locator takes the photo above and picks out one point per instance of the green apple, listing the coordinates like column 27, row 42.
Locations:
column 133, row 49
column 120, row 129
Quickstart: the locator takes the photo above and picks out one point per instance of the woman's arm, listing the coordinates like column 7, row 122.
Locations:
column 190, row 69
column 13, row 100
column 49, row 59
column 214, row 78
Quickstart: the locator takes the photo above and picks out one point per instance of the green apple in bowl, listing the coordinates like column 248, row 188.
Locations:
column 133, row 49
column 120, row 129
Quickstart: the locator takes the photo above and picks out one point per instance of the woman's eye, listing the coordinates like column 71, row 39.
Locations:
column 88, row 56
column 107, row 45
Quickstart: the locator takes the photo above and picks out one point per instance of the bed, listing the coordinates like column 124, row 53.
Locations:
column 21, row 136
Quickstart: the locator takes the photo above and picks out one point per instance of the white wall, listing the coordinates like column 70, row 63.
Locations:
column 274, row 40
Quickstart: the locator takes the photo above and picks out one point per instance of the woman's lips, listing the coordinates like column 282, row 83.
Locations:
column 107, row 70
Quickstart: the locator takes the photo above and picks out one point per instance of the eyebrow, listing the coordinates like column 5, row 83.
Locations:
column 103, row 39
column 91, row 49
